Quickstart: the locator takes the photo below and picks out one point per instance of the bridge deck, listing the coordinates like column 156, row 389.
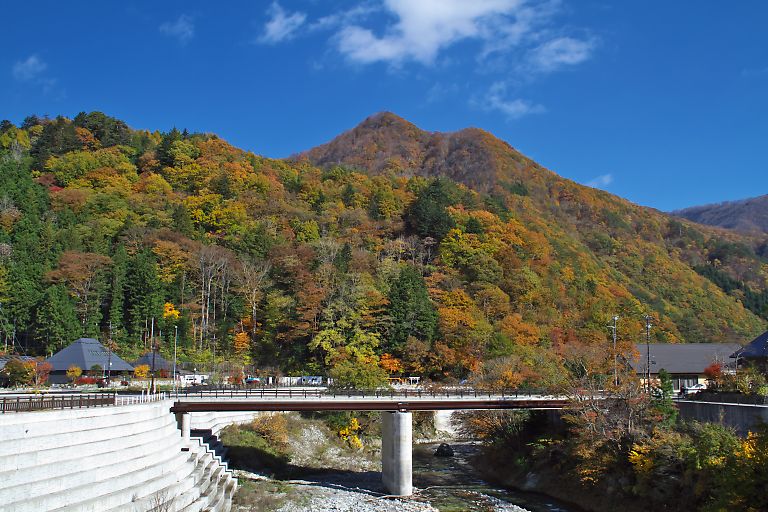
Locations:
column 363, row 404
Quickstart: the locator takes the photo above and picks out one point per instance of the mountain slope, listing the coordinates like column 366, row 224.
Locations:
column 112, row 232
column 747, row 215
column 607, row 229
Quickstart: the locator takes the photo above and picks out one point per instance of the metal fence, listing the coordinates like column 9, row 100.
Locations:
column 42, row 402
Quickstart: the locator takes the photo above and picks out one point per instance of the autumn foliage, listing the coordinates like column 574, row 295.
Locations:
column 440, row 255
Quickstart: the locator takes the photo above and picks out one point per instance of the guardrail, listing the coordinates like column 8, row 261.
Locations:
column 144, row 398
column 43, row 402
column 726, row 398
column 351, row 393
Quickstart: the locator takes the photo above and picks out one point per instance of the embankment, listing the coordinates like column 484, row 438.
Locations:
column 128, row 458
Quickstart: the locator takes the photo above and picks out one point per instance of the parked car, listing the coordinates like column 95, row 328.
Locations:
column 194, row 379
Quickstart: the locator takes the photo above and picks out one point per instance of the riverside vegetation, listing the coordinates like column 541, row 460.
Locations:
column 632, row 453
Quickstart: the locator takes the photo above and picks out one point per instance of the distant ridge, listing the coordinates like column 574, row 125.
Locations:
column 746, row 215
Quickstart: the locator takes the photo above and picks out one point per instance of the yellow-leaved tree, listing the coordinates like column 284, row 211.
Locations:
column 73, row 372
column 141, row 371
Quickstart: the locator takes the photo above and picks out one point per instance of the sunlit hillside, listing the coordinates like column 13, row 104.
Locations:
column 390, row 249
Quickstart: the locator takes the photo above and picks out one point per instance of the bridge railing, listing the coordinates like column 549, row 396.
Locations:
column 434, row 393
column 140, row 399
column 43, row 402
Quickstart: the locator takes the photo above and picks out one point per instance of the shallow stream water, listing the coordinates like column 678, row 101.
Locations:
column 452, row 484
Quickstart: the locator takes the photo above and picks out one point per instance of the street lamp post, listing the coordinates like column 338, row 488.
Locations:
column 109, row 362
column 648, row 326
column 615, row 356
column 175, row 339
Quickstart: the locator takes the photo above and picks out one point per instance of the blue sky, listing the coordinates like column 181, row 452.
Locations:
column 664, row 103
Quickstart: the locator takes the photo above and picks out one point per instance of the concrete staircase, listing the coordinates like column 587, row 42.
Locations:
column 212, row 442
column 129, row 459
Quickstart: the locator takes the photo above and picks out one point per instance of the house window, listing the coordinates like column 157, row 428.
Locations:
column 678, row 381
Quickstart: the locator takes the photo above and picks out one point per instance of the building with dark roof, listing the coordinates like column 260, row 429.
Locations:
column 85, row 353
column 685, row 362
column 755, row 349
column 155, row 363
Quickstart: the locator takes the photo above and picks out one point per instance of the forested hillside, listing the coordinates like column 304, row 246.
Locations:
column 748, row 215
column 404, row 251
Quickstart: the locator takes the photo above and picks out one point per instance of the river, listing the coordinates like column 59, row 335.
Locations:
column 452, row 484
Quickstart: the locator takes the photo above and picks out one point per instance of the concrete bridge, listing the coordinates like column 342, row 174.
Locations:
column 396, row 409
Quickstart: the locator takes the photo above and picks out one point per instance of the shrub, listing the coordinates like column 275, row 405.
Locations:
column 141, row 371
column 74, row 372
column 349, row 434
column 18, row 372
column 272, row 427
column 713, row 372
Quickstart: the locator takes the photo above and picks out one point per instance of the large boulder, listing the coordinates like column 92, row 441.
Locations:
column 444, row 450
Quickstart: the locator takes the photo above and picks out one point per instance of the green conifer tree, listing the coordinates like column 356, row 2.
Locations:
column 411, row 310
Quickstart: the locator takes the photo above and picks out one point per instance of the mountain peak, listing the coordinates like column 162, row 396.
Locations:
column 385, row 118
column 386, row 143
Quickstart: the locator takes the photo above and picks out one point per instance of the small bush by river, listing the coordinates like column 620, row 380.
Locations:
column 659, row 465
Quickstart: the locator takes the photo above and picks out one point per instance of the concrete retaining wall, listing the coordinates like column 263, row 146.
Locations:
column 741, row 417
column 215, row 421
column 128, row 458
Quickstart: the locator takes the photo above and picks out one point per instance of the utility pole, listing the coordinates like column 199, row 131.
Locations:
column 109, row 355
column 615, row 356
column 213, row 369
column 152, row 345
column 648, row 326
column 175, row 340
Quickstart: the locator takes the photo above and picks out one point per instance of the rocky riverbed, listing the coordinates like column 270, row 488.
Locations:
column 318, row 472
column 262, row 493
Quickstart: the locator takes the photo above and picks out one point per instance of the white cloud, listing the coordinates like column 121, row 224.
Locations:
column 514, row 42
column 559, row 52
column 495, row 99
column 182, row 29
column 424, row 28
column 32, row 72
column 282, row 26
column 30, row 69
column 601, row 181
column 347, row 17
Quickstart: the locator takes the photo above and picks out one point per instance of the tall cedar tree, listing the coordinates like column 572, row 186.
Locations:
column 116, row 314
column 411, row 310
column 143, row 294
column 427, row 215
column 56, row 322
column 58, row 137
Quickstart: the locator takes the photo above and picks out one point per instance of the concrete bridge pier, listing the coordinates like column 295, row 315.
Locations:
column 397, row 452
column 184, row 421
